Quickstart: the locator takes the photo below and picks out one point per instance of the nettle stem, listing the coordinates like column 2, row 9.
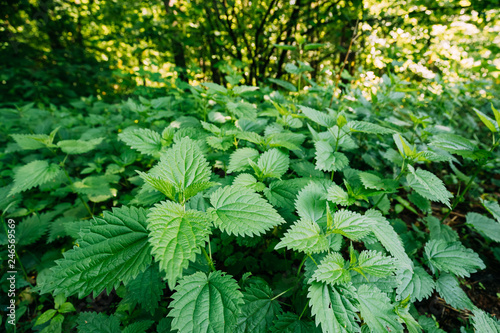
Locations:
column 209, row 260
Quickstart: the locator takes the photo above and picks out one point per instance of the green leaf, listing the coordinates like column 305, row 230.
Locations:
column 377, row 310
column 321, row 118
column 449, row 289
column 351, row 225
column 366, row 127
column 45, row 317
column 176, row 236
column 66, row 307
column 32, row 141
column 223, row 143
column 273, row 163
column 282, row 83
column 238, row 161
column 388, row 237
column 452, row 258
column 291, row 323
column 259, row 309
column 375, row 263
column 250, row 136
column 327, row 159
column 34, row 174
column 282, row 193
column 403, row 146
column 492, row 126
column 334, row 307
column 238, row 90
column 311, row 202
column 242, row 212
column 493, row 207
column 158, row 184
column 32, row 228
column 215, row 88
column 182, row 165
column 74, row 147
column 146, row 289
column 429, row 186
column 204, row 303
column 338, row 196
column 112, row 250
column 454, row 144
column 291, row 141
column 304, row 236
column 144, row 140
column 417, row 284
column 92, row 322
column 486, row 226
column 429, row 325
column 482, row 321
column 331, row 270
column 139, row 326
column 440, row 231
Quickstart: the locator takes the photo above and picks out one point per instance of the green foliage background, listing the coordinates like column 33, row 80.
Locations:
column 250, row 166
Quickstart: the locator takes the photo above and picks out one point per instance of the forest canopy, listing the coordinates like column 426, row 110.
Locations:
column 54, row 49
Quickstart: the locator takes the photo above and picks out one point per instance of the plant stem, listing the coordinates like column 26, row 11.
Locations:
column 304, row 311
column 300, row 266
column 209, row 260
column 272, row 299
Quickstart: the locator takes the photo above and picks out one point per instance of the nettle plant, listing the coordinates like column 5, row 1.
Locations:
column 276, row 188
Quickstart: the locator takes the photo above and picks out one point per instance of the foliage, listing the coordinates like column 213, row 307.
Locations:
column 290, row 203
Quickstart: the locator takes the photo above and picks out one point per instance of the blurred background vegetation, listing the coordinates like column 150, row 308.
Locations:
column 55, row 50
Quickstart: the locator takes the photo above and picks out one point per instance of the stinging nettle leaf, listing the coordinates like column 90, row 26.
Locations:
column 334, row 307
column 291, row 323
column 93, row 322
column 31, row 141
column 482, row 321
column 493, row 207
column 449, row 289
column 34, row 174
column 146, row 289
column 452, row 258
column 242, row 212
column 238, row 161
column 204, row 303
column 79, row 146
column 350, row 224
column 388, row 237
column 176, row 236
column 144, row 140
column 454, row 144
column 273, row 163
column 182, row 165
column 366, row 127
column 112, row 250
column 375, row 263
column 327, row 159
column 304, row 236
column 492, row 125
column 417, row 284
column 377, row 310
column 429, row 186
column 487, row 227
column 259, row 309
column 321, row 118
column 338, row 196
column 331, row 270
